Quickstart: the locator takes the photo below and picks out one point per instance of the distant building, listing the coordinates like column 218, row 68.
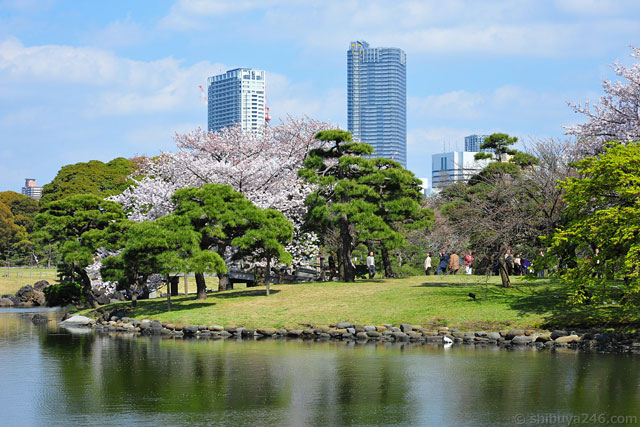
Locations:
column 472, row 143
column 426, row 190
column 237, row 97
column 31, row 189
column 453, row 167
column 377, row 99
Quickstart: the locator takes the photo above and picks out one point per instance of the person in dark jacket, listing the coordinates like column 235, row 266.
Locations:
column 332, row 266
column 444, row 263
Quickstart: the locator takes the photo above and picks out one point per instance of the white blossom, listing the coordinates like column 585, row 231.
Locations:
column 616, row 117
column 263, row 167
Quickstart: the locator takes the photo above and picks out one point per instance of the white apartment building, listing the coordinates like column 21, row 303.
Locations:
column 237, row 97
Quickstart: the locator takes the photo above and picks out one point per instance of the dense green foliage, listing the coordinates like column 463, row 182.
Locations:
column 500, row 146
column 94, row 177
column 17, row 213
column 224, row 218
column 64, row 293
column 163, row 246
column 23, row 209
column 604, row 211
column 362, row 200
column 78, row 225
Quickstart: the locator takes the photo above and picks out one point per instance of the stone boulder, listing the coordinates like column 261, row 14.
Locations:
column 344, row 325
column 6, row 302
column 558, row 333
column 76, row 321
column 567, row 339
column 41, row 284
column 521, row 340
column 102, row 298
column 544, row 337
column 267, row 332
column 189, row 331
column 39, row 319
column 405, row 327
column 28, row 295
column 514, row 333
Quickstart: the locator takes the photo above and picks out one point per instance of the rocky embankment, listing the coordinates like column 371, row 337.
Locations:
column 508, row 339
column 27, row 296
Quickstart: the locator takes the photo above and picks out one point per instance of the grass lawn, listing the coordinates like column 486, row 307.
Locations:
column 12, row 279
column 440, row 300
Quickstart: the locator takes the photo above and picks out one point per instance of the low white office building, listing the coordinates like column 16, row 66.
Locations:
column 453, row 167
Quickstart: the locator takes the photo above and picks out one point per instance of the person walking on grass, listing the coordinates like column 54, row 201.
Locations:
column 371, row 265
column 468, row 262
column 332, row 266
column 427, row 264
column 444, row 263
column 454, row 263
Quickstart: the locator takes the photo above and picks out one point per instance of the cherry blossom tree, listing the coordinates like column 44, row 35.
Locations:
column 263, row 167
column 616, row 117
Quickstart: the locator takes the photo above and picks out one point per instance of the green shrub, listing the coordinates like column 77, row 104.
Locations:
column 63, row 294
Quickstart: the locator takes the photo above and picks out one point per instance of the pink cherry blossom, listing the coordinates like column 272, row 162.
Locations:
column 616, row 117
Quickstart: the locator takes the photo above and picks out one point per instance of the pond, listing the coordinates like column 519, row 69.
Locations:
column 51, row 377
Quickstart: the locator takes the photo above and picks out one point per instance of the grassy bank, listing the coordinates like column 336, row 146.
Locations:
column 417, row 300
column 12, row 279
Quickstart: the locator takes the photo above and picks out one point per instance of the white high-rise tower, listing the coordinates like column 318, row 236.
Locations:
column 237, row 97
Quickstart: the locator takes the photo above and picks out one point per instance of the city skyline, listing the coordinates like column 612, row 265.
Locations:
column 83, row 81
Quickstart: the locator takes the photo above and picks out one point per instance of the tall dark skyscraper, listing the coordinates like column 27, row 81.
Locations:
column 377, row 99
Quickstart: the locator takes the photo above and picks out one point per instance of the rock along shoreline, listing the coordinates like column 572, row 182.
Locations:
column 588, row 341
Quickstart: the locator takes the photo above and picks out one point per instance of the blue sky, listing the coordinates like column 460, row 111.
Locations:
column 102, row 79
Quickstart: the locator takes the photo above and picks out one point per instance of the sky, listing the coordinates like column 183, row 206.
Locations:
column 102, row 79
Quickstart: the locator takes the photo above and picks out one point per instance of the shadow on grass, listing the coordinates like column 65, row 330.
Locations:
column 156, row 306
column 181, row 303
column 252, row 293
column 445, row 285
column 560, row 314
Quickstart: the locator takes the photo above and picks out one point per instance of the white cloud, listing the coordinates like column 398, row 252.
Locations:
column 458, row 104
column 596, row 8
column 27, row 5
column 150, row 138
column 118, row 33
column 116, row 85
column 121, row 86
column 301, row 99
column 501, row 27
column 21, row 117
column 195, row 14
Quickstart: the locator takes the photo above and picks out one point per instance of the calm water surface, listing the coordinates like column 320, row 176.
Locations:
column 51, row 377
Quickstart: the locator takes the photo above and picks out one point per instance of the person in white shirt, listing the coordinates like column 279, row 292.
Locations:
column 427, row 264
column 371, row 265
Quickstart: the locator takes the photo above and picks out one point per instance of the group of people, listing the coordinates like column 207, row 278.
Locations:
column 371, row 265
column 450, row 263
column 516, row 265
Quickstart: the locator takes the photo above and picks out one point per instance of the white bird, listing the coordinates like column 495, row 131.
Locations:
column 448, row 342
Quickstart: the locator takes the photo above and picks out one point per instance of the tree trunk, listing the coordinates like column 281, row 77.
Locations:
column 504, row 274
column 345, row 249
column 85, row 281
column 223, row 281
column 168, row 281
column 268, row 275
column 201, row 286
column 386, row 262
